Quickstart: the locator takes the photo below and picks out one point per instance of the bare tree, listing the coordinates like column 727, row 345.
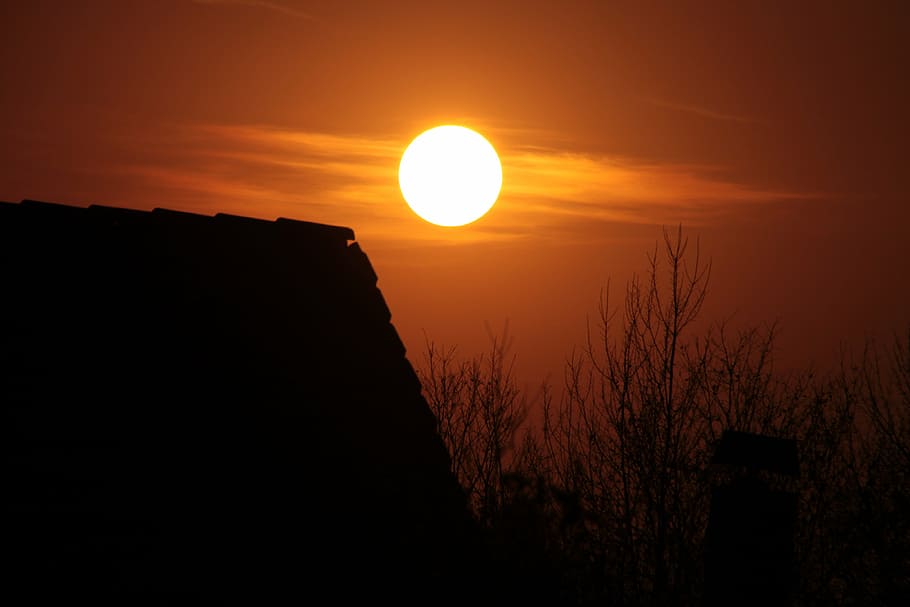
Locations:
column 623, row 439
column 615, row 487
column 854, row 534
column 479, row 411
column 646, row 401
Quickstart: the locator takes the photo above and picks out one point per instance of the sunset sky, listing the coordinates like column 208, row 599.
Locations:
column 774, row 132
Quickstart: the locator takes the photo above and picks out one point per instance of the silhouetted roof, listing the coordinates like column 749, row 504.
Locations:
column 214, row 405
column 50, row 211
column 757, row 452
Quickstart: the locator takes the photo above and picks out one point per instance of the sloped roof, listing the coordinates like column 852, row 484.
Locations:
column 217, row 406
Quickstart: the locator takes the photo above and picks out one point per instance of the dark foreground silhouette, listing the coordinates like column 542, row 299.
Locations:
column 216, row 408
column 750, row 557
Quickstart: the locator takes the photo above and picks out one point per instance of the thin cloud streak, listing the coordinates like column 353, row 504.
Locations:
column 560, row 183
column 263, row 4
column 353, row 180
column 700, row 111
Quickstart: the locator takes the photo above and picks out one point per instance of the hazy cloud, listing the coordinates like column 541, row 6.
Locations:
column 563, row 183
column 353, row 180
column 264, row 4
column 700, row 111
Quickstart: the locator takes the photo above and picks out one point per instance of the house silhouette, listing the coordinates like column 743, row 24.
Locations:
column 215, row 409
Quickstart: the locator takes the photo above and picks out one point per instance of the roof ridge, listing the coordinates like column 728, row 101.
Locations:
column 301, row 227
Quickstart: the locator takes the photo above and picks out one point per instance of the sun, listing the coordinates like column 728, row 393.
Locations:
column 450, row 175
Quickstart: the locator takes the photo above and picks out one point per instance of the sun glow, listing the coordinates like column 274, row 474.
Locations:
column 450, row 175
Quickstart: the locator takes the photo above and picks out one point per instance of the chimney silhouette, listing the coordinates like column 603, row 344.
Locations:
column 749, row 549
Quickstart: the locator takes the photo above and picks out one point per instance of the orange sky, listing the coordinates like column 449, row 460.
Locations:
column 775, row 132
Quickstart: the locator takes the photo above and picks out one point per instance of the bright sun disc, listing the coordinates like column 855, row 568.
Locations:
column 450, row 175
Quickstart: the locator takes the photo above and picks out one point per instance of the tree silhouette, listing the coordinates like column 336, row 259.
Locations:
column 854, row 536
column 625, row 439
column 479, row 410
column 613, row 493
column 481, row 416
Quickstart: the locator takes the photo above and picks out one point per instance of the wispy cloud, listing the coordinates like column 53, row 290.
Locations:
column 701, row 111
column 263, row 4
column 269, row 172
column 353, row 180
column 557, row 183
